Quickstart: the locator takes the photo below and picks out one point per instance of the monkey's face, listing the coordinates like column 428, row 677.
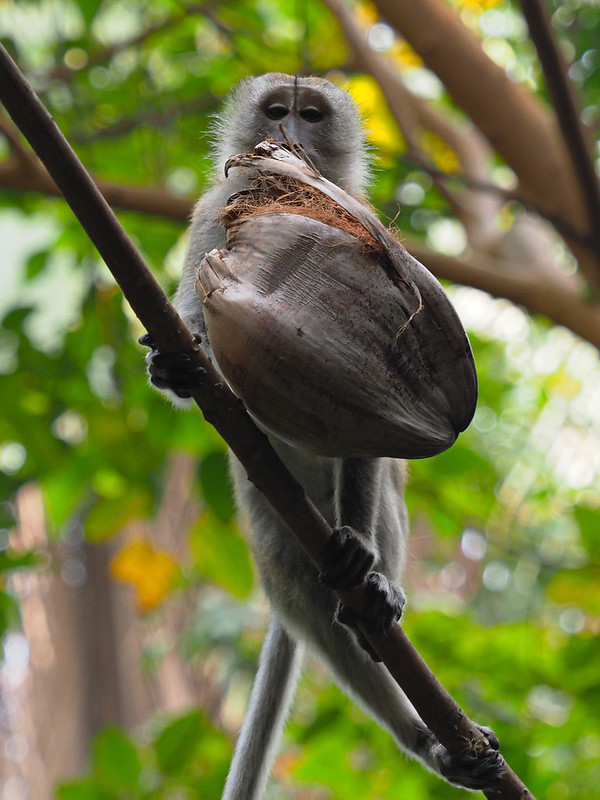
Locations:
column 308, row 111
column 298, row 115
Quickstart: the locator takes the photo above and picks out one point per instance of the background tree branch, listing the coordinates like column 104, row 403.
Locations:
column 528, row 138
column 541, row 291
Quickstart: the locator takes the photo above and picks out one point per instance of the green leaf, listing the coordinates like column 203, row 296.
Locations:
column 36, row 264
column 178, row 743
column 588, row 520
column 577, row 587
column 109, row 515
column 64, row 489
column 9, row 612
column 81, row 790
column 216, row 485
column 115, row 760
column 222, row 554
column 88, row 8
column 11, row 560
column 13, row 321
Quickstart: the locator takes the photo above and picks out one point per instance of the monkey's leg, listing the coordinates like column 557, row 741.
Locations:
column 347, row 561
column 270, row 701
column 373, row 688
column 361, row 489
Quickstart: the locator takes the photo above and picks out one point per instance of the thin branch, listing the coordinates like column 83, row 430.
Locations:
column 563, row 227
column 566, row 106
column 24, row 173
column 225, row 411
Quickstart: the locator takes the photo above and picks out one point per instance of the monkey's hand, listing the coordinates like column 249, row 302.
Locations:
column 347, row 562
column 473, row 768
column 171, row 371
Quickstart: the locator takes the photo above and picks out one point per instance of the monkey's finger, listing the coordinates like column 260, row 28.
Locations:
column 385, row 603
column 147, row 341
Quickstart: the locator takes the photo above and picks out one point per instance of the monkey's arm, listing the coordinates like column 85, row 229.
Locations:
column 170, row 372
column 353, row 551
column 205, row 233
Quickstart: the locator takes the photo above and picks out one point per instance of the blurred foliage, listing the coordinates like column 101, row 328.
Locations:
column 504, row 600
column 186, row 757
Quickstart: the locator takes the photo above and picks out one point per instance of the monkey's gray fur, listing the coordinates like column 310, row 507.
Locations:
column 364, row 494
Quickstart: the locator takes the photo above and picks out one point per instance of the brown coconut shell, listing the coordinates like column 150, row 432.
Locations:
column 334, row 337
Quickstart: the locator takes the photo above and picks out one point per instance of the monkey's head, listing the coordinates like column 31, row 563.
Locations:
column 309, row 111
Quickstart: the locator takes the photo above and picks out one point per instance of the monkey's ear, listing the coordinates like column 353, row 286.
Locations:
column 335, row 338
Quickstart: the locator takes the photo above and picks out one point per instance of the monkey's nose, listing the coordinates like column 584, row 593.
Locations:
column 293, row 131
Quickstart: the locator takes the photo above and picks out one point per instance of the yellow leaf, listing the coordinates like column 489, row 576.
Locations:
column 150, row 571
column 475, row 5
column 443, row 156
column 382, row 130
column 367, row 14
column 404, row 56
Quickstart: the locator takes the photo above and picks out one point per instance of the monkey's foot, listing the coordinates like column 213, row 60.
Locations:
column 470, row 768
column 385, row 603
column 346, row 560
column 171, row 371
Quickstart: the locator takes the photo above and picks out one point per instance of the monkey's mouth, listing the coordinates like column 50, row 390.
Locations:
column 299, row 142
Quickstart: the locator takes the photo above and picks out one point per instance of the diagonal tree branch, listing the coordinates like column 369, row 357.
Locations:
column 566, row 106
column 225, row 411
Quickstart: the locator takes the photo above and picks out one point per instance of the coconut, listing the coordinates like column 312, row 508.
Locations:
column 334, row 337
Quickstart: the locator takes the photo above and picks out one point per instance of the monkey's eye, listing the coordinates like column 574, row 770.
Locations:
column 276, row 111
column 311, row 114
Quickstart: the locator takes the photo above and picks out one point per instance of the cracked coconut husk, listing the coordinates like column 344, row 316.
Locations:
column 335, row 338
column 278, row 194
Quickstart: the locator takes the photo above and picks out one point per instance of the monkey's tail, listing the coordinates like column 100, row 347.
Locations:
column 270, row 702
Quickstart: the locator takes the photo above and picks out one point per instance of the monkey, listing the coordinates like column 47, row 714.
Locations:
column 362, row 498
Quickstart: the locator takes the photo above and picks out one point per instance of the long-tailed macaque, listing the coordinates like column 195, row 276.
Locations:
column 361, row 498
